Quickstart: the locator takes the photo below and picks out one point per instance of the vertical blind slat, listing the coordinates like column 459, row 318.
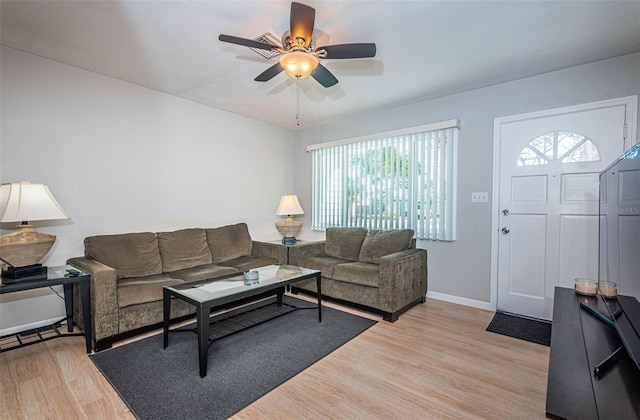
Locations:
column 388, row 183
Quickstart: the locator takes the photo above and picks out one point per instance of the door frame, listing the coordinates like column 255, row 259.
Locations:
column 630, row 102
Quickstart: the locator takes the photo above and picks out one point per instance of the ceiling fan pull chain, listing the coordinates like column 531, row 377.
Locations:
column 298, row 102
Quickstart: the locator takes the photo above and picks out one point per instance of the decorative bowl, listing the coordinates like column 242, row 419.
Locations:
column 251, row 277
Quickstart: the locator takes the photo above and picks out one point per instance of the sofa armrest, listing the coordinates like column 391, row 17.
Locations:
column 269, row 250
column 104, row 296
column 403, row 278
column 305, row 249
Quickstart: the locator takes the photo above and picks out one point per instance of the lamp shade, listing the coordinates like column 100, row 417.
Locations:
column 289, row 206
column 299, row 64
column 24, row 201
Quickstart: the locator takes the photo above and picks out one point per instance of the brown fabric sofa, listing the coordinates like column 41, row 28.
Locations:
column 129, row 270
column 379, row 269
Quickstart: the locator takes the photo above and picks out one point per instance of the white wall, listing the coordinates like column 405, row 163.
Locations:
column 120, row 158
column 462, row 269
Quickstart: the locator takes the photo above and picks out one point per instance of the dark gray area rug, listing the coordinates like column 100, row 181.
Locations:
column 166, row 384
column 529, row 329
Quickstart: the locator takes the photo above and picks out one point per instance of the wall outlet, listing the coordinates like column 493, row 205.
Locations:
column 480, row 197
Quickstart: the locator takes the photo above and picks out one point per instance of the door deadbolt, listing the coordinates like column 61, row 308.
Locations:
column 505, row 212
column 505, row 230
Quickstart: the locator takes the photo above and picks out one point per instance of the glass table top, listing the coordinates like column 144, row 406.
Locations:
column 234, row 284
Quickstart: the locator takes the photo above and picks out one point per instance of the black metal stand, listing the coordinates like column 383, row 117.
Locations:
column 53, row 276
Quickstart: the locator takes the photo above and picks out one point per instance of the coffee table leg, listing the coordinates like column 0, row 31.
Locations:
column 279, row 294
column 203, row 338
column 166, row 310
column 319, row 289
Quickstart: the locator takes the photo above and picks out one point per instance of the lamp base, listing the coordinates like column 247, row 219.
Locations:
column 289, row 240
column 24, row 246
column 288, row 227
column 26, row 271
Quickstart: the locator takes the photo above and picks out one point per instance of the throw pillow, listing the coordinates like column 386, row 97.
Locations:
column 344, row 242
column 184, row 248
column 229, row 242
column 130, row 254
column 379, row 243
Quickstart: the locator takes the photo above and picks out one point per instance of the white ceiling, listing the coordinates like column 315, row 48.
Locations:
column 426, row 49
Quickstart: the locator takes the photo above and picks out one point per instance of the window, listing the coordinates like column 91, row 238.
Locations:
column 404, row 179
column 565, row 146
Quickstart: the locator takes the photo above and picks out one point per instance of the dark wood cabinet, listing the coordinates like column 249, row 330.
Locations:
column 579, row 342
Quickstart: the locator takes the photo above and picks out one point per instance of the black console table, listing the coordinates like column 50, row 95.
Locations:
column 56, row 276
column 579, row 342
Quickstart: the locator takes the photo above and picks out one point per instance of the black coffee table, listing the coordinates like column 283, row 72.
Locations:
column 227, row 291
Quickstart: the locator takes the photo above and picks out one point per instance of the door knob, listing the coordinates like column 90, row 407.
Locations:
column 505, row 230
column 505, row 212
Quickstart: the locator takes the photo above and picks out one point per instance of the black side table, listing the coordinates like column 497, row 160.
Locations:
column 289, row 246
column 57, row 276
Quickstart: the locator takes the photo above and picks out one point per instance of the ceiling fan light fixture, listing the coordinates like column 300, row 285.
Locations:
column 299, row 64
column 299, row 56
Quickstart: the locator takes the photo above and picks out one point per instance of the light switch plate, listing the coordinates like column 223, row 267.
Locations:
column 479, row 197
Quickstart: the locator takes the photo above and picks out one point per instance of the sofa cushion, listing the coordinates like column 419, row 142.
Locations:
column 201, row 272
column 183, row 249
column 344, row 243
column 135, row 290
column 229, row 242
column 325, row 264
column 379, row 243
column 248, row 263
column 130, row 254
column 365, row 274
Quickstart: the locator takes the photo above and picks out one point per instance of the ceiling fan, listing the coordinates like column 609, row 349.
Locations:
column 298, row 55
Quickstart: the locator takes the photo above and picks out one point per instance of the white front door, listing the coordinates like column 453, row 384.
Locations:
column 548, row 203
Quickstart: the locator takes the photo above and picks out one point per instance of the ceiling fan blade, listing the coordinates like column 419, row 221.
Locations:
column 269, row 73
column 324, row 76
column 341, row 51
column 246, row 42
column 301, row 23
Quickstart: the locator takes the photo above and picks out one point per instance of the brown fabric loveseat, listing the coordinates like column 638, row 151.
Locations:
column 379, row 269
column 129, row 270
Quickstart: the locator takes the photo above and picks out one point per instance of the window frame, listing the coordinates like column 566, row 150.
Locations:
column 336, row 212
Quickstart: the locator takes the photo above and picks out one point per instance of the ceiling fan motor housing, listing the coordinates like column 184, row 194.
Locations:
column 297, row 44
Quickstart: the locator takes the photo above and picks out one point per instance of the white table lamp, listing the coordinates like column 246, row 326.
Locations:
column 23, row 249
column 289, row 228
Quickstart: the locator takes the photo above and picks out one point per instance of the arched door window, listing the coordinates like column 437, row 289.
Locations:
column 565, row 146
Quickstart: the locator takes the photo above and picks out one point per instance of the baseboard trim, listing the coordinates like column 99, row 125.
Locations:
column 461, row 301
column 431, row 295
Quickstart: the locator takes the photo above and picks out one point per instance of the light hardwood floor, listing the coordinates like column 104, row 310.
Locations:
column 436, row 361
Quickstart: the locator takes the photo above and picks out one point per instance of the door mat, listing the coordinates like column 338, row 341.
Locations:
column 529, row 329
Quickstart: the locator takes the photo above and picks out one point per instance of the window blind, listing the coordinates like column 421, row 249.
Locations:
column 392, row 182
